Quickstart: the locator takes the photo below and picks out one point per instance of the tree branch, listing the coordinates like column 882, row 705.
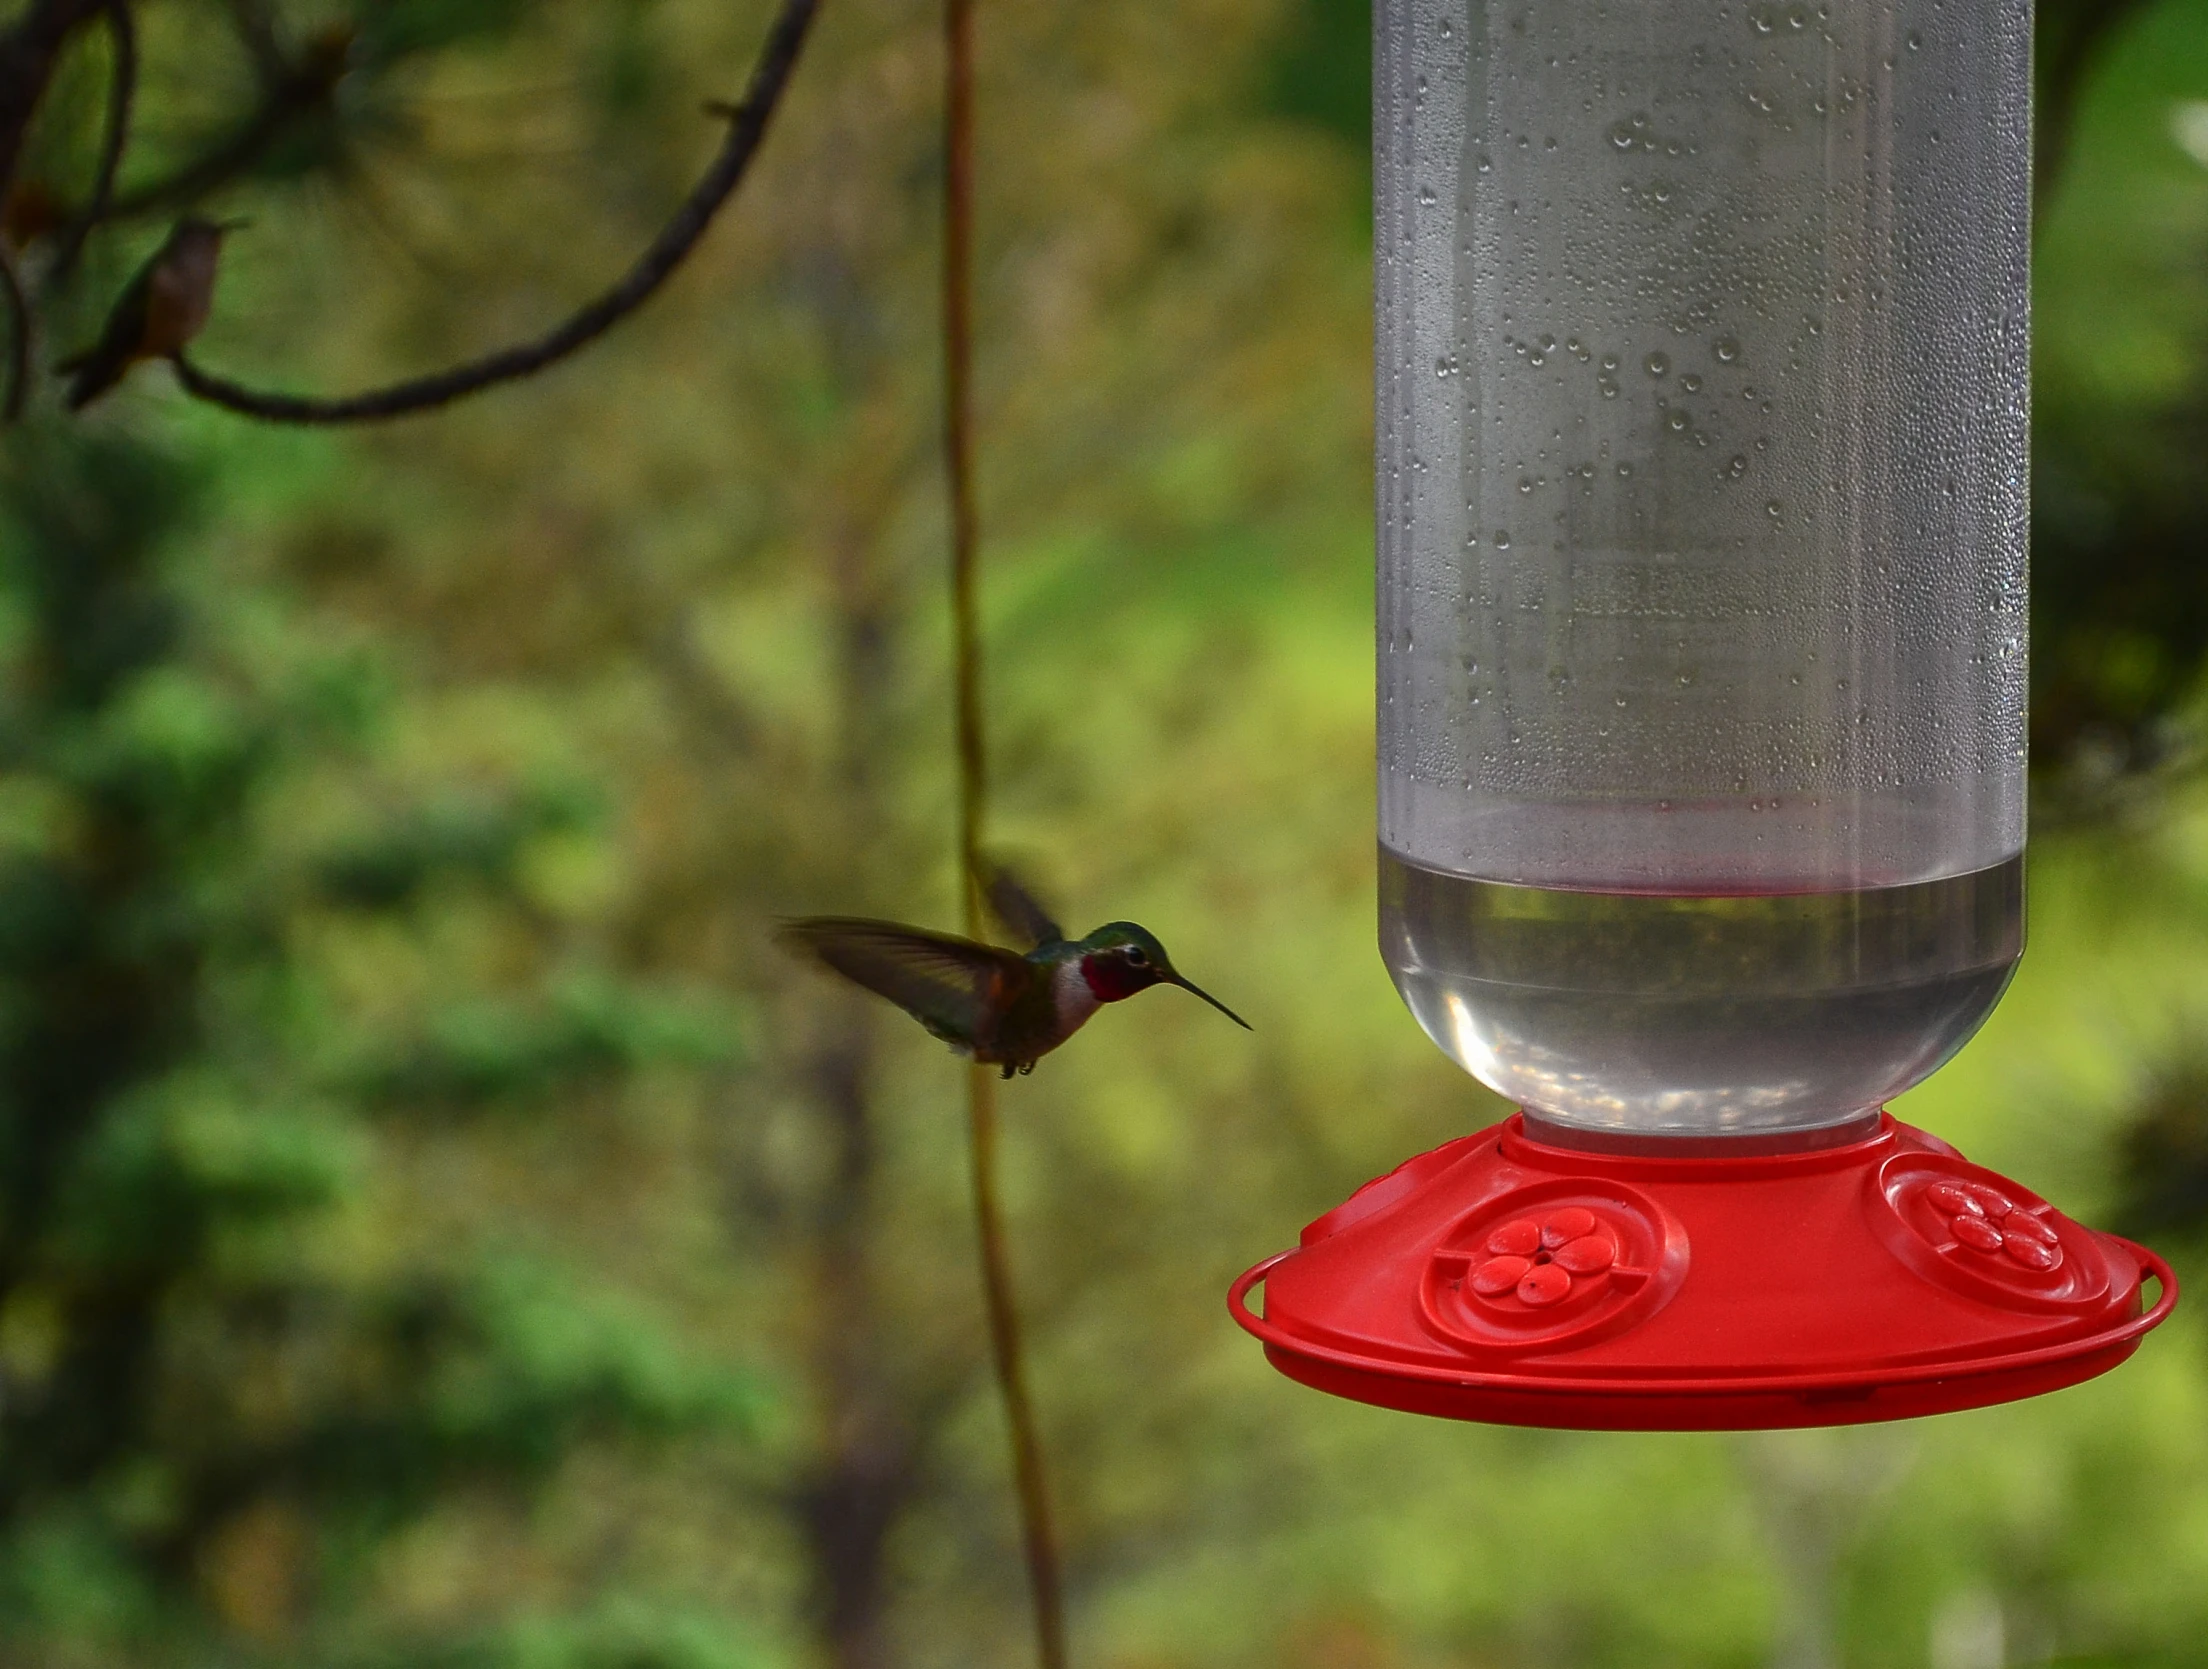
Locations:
column 290, row 90
column 19, row 341
column 747, row 127
column 28, row 53
column 120, row 95
column 1000, row 1302
column 256, row 29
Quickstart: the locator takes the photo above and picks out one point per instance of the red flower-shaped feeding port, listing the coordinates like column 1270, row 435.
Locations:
column 1536, row 1258
column 1550, row 1266
column 1966, row 1228
column 1986, row 1220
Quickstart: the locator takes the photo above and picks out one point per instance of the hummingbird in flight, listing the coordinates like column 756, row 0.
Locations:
column 161, row 309
column 996, row 1005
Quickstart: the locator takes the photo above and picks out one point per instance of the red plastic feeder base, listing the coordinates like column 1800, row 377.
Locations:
column 1512, row 1280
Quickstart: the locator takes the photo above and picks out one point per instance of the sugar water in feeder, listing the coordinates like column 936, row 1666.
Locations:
column 1703, row 418
column 1702, row 403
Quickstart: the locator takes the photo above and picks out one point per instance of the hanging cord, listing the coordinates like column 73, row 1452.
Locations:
column 981, row 1087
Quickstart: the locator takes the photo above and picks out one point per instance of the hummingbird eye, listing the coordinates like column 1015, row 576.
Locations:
column 1137, row 956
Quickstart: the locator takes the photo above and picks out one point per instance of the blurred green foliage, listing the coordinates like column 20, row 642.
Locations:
column 2120, row 495
column 196, row 1356
column 436, row 1228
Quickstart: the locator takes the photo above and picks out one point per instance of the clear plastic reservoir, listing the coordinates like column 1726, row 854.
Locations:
column 1702, row 411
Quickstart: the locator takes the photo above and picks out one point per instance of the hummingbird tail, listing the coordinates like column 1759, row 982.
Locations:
column 93, row 378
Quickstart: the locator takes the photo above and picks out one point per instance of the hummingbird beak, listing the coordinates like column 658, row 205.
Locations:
column 1190, row 985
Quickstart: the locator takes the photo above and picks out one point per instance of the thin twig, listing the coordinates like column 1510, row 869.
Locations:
column 30, row 47
column 1036, row 1533
column 958, row 450
column 228, row 159
column 1038, row 1538
column 256, row 29
column 121, row 92
column 19, row 341
column 232, row 157
column 292, row 88
column 747, row 127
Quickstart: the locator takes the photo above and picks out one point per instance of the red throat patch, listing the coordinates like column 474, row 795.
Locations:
column 1113, row 980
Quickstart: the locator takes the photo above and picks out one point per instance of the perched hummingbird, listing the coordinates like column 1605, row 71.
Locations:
column 1000, row 1007
column 161, row 309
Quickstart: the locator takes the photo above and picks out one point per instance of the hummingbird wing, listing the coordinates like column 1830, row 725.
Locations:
column 950, row 985
column 100, row 367
column 1017, row 908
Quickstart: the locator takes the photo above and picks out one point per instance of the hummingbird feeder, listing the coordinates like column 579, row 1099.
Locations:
column 1703, row 407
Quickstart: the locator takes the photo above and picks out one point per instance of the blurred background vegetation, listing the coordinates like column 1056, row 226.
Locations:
column 437, row 1229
